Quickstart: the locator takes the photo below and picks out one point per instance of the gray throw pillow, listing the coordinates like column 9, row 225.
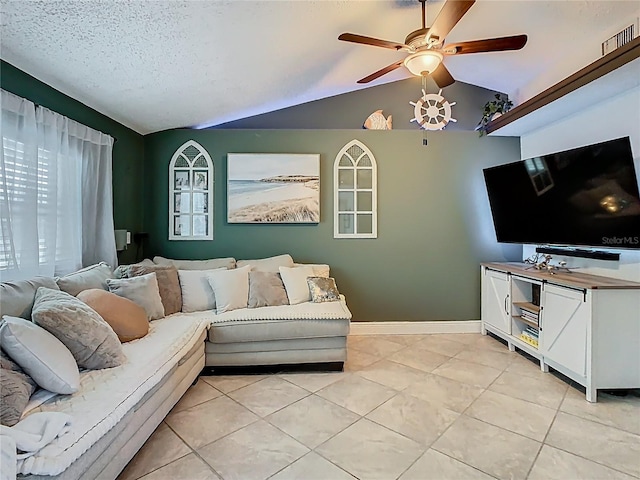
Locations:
column 266, row 290
column 142, row 290
column 90, row 339
column 323, row 289
column 168, row 283
column 15, row 389
column 94, row 276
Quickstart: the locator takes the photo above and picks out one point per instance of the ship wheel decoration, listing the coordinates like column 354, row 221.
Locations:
column 432, row 111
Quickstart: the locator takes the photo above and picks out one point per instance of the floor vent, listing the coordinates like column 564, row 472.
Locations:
column 620, row 38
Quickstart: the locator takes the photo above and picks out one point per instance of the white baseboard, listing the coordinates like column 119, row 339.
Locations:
column 414, row 328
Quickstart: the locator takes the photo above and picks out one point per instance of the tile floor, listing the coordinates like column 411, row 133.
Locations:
column 410, row 407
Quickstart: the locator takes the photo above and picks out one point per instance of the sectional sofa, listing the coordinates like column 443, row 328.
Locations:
column 116, row 409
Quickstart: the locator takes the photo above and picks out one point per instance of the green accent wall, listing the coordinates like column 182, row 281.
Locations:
column 350, row 110
column 128, row 150
column 434, row 223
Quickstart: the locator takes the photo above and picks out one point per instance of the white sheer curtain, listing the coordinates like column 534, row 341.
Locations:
column 19, row 202
column 61, row 217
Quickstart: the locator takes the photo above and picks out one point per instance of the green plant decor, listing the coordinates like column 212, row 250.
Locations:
column 500, row 105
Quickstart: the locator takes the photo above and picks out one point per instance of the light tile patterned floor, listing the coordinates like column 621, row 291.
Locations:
column 410, row 407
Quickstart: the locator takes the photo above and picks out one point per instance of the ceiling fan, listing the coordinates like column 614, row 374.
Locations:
column 426, row 46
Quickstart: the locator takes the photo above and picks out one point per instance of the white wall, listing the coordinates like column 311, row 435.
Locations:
column 607, row 118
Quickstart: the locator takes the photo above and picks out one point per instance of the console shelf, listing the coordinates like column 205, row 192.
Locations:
column 584, row 326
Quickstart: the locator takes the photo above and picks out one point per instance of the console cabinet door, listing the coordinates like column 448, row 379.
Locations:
column 565, row 321
column 495, row 300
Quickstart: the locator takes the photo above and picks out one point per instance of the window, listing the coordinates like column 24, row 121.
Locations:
column 355, row 192
column 191, row 193
column 55, row 193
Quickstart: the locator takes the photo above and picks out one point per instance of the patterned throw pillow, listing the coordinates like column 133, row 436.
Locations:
column 323, row 289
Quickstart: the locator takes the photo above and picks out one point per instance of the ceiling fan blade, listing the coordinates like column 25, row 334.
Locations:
column 376, row 42
column 488, row 45
column 442, row 77
column 381, row 72
column 450, row 14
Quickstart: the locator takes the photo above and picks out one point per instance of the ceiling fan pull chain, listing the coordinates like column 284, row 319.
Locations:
column 424, row 91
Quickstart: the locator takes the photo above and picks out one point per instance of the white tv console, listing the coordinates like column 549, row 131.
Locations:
column 588, row 326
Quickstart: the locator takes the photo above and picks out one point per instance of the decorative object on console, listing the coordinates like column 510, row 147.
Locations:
column 376, row 121
column 493, row 109
column 545, row 264
column 273, row 188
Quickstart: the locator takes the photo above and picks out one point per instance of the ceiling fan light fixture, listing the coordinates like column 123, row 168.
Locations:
column 424, row 61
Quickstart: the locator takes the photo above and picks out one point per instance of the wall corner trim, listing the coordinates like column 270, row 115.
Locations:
column 414, row 328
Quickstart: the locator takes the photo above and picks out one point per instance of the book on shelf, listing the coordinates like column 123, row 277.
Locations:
column 529, row 312
column 532, row 332
column 529, row 316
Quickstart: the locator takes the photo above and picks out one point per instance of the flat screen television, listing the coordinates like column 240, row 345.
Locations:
column 586, row 196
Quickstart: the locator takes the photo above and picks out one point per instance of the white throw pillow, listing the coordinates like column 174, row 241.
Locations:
column 271, row 264
column 231, row 288
column 41, row 355
column 142, row 290
column 295, row 283
column 197, row 294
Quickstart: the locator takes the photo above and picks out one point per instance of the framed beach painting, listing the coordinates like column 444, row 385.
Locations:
column 273, row 188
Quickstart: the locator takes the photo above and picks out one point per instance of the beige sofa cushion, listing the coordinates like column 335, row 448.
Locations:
column 16, row 298
column 125, row 317
column 210, row 264
column 271, row 264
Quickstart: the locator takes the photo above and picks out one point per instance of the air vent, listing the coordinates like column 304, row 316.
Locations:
column 620, row 38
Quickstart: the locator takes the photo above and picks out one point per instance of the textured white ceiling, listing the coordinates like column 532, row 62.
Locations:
column 159, row 64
